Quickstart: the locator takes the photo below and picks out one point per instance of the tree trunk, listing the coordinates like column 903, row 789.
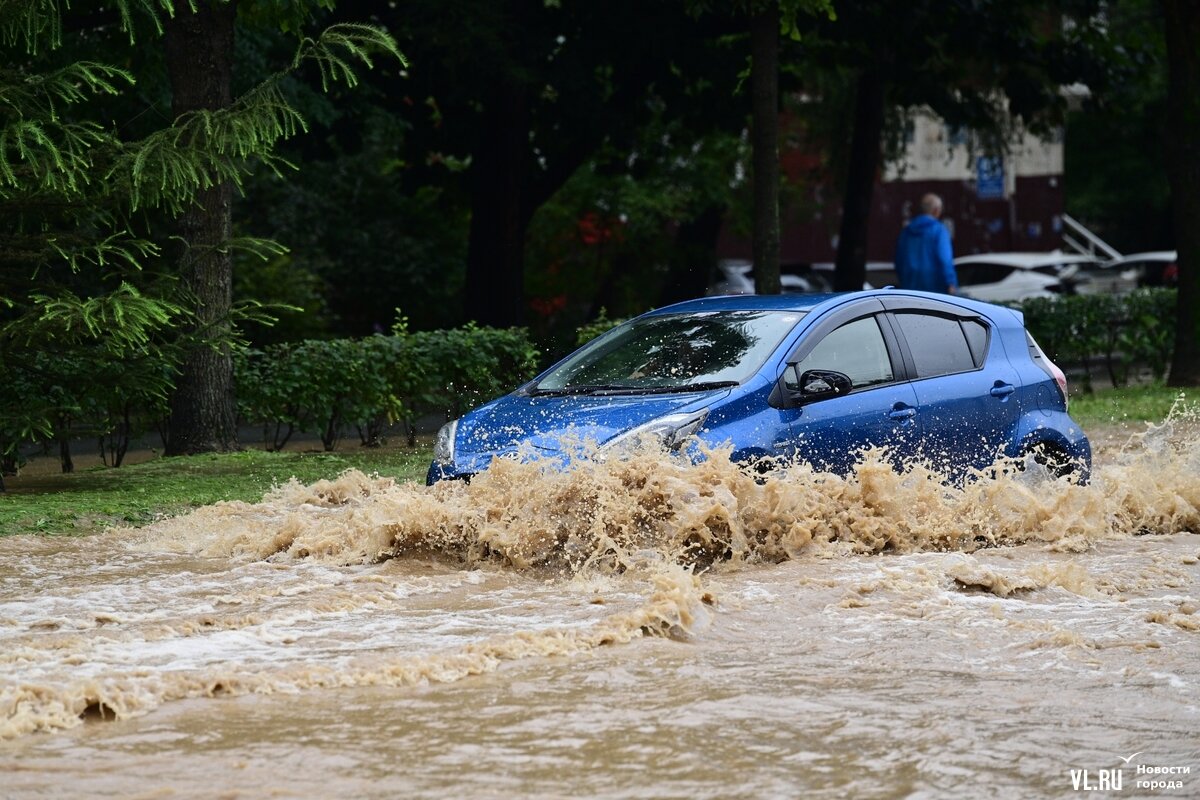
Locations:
column 693, row 261
column 495, row 290
column 199, row 57
column 764, row 142
column 865, row 154
column 8, row 465
column 1182, row 19
column 64, row 454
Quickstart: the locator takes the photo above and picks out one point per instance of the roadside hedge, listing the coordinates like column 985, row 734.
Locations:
column 1113, row 333
column 332, row 387
column 602, row 324
column 329, row 387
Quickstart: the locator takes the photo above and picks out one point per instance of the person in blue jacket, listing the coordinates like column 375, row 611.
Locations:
column 924, row 259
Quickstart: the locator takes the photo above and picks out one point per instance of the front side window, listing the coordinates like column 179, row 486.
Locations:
column 674, row 352
column 856, row 349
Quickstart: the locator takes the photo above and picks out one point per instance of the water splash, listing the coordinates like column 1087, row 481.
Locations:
column 318, row 586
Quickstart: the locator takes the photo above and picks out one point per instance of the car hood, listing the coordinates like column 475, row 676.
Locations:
column 552, row 424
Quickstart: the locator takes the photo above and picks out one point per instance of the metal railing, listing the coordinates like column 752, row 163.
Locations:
column 1090, row 245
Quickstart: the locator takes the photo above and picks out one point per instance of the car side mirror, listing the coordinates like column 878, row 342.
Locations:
column 813, row 385
column 818, row 384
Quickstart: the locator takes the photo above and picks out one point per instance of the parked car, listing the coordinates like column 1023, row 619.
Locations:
column 809, row 377
column 1157, row 268
column 879, row 273
column 736, row 276
column 1006, row 277
column 1108, row 277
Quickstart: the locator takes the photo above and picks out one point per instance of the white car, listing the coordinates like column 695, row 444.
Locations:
column 736, row 276
column 1006, row 277
column 1157, row 268
column 879, row 273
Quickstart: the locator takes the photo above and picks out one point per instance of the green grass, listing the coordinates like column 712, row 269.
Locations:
column 1129, row 404
column 88, row 501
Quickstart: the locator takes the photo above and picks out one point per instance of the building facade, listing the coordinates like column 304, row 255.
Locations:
column 993, row 203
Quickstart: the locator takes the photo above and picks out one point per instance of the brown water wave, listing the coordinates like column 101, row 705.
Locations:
column 361, row 581
column 918, row 675
column 69, row 655
column 609, row 513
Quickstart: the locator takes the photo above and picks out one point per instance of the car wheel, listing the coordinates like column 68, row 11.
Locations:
column 1056, row 462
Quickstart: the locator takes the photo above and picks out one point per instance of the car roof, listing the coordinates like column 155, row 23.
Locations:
column 1154, row 255
column 748, row 302
column 1024, row 260
column 810, row 302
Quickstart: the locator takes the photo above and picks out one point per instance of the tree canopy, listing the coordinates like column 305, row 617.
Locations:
column 87, row 283
column 170, row 169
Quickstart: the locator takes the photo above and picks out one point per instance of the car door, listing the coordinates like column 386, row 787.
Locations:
column 965, row 387
column 878, row 410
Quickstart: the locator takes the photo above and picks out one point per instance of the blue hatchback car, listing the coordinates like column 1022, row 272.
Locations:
column 794, row 377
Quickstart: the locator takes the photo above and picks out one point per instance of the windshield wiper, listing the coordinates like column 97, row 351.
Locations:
column 614, row 388
column 704, row 386
column 589, row 388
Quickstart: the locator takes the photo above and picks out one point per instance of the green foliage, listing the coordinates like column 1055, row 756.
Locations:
column 1114, row 143
column 325, row 387
column 467, row 366
column 411, row 249
column 91, row 333
column 98, row 366
column 320, row 386
column 290, row 16
column 600, row 240
column 295, row 293
column 204, row 148
column 120, row 321
column 1116, row 331
column 601, row 324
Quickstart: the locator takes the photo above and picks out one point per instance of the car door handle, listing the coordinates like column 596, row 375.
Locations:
column 1002, row 389
column 902, row 412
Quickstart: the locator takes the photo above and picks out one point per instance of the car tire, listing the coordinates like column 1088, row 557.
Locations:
column 1053, row 458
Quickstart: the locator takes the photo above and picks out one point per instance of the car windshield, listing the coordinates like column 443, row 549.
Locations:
column 673, row 352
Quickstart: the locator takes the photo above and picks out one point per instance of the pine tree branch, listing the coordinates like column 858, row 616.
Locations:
column 205, row 148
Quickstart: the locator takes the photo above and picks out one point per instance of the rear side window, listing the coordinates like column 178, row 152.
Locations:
column 977, row 339
column 938, row 344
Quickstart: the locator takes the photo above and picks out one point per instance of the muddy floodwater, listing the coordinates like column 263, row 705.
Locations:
column 637, row 628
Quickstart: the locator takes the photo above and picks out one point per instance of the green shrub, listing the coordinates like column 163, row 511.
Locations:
column 1117, row 331
column 328, row 386
column 320, row 386
column 269, row 384
column 466, row 366
column 60, row 396
column 602, row 324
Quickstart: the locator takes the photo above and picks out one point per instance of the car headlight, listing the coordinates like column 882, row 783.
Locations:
column 669, row 432
column 443, row 446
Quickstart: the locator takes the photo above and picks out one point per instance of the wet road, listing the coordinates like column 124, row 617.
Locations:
column 641, row 629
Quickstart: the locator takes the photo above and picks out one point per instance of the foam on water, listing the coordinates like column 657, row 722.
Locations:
column 362, row 581
column 609, row 513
